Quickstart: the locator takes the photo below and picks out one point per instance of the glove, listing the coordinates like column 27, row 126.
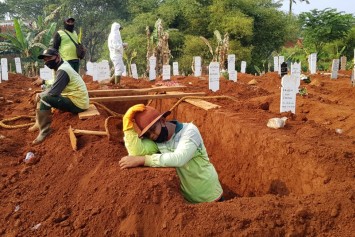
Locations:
column 129, row 115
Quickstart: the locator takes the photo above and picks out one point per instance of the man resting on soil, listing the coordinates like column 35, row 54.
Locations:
column 175, row 144
column 68, row 93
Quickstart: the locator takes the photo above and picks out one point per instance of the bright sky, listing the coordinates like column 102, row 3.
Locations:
column 347, row 6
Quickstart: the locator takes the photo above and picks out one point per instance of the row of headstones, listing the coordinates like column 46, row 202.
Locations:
column 291, row 83
column 4, row 73
column 101, row 70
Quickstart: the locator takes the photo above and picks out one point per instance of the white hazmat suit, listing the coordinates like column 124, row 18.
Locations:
column 115, row 46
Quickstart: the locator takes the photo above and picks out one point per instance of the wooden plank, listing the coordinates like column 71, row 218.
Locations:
column 202, row 104
column 116, row 92
column 91, row 111
column 145, row 97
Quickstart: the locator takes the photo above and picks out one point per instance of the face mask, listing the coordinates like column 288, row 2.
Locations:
column 69, row 27
column 52, row 64
column 163, row 136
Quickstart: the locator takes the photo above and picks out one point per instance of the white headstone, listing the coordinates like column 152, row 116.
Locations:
column 281, row 60
column 276, row 63
column 134, row 71
column 213, row 76
column 102, row 71
column 4, row 71
column 343, row 63
column 233, row 75
column 46, row 73
column 166, row 72
column 313, row 63
column 335, row 68
column 175, row 68
column 231, row 63
column 18, row 65
column 90, row 68
column 152, row 65
column 296, row 72
column 124, row 73
column 198, row 66
column 243, row 66
column 288, row 94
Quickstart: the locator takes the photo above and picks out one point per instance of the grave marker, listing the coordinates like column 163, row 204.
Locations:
column 276, row 63
column 18, row 65
column 46, row 73
column 312, row 60
column 90, row 68
column 101, row 71
column 213, row 76
column 296, row 73
column 343, row 63
column 175, row 68
column 243, row 66
column 288, row 94
column 233, row 75
column 166, row 72
column 231, row 68
column 4, row 71
column 335, row 68
column 134, row 71
column 152, row 66
column 198, row 66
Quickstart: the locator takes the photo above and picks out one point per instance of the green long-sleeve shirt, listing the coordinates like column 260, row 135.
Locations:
column 185, row 151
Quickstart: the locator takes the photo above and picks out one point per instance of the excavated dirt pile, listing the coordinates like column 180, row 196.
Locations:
column 294, row 181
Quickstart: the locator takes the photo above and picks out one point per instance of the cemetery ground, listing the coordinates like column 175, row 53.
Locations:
column 294, row 181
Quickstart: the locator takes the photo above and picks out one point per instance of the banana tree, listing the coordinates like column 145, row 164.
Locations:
column 29, row 40
column 221, row 51
column 128, row 57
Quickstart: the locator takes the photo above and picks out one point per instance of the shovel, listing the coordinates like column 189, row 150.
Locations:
column 73, row 132
column 113, row 131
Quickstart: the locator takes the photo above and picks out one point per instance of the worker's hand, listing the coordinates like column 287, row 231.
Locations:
column 38, row 81
column 131, row 161
column 129, row 115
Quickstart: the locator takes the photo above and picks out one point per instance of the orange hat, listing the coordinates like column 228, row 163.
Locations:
column 143, row 120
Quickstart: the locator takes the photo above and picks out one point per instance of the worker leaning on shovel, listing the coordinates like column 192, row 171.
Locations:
column 152, row 141
column 68, row 93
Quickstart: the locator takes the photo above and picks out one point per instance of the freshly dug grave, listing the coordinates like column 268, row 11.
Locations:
column 293, row 181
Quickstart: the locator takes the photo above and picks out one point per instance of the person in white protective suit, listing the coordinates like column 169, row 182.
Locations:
column 116, row 46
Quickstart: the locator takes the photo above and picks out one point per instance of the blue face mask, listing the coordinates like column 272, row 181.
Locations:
column 163, row 136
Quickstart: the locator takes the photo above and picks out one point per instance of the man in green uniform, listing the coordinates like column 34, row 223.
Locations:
column 152, row 141
column 68, row 93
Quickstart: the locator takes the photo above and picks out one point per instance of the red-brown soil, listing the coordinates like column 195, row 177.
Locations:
column 293, row 181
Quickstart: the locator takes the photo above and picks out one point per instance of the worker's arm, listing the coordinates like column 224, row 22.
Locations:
column 136, row 146
column 131, row 161
column 185, row 150
column 56, row 41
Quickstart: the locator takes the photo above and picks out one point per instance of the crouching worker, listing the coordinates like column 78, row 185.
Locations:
column 68, row 93
column 152, row 141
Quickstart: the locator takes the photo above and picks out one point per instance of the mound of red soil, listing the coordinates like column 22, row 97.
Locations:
column 293, row 181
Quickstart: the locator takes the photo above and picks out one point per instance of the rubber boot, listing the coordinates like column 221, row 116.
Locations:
column 35, row 126
column 117, row 79
column 44, row 123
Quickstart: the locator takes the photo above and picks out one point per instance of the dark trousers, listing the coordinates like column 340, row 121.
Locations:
column 59, row 102
column 75, row 64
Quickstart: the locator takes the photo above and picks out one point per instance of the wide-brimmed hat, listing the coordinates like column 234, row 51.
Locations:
column 144, row 120
column 48, row 53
